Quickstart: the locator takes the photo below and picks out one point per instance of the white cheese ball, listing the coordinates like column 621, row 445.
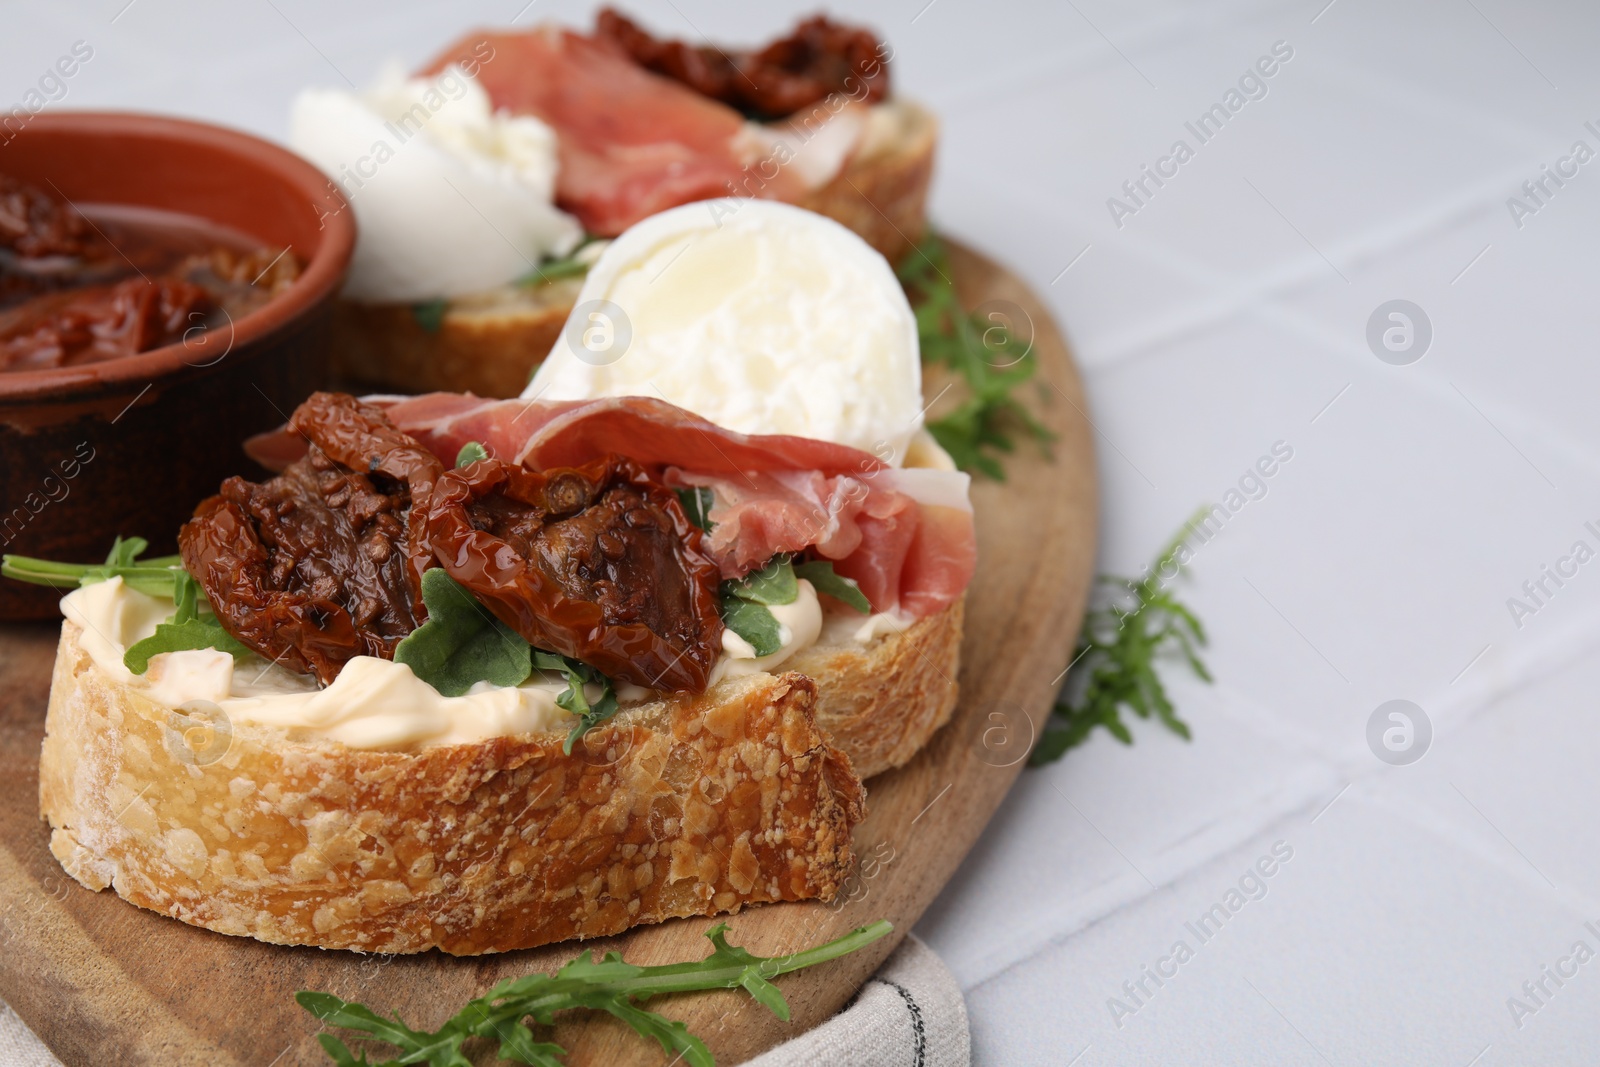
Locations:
column 756, row 315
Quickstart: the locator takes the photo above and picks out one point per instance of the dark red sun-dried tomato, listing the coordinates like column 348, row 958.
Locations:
column 819, row 58
column 101, row 322
column 596, row 562
column 33, row 224
column 316, row 566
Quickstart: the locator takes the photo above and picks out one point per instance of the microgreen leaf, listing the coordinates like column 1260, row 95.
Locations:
column 462, row 643
column 471, row 452
column 1114, row 664
column 752, row 621
column 986, row 421
column 820, row 573
column 773, row 584
column 697, row 502
column 610, row 985
column 574, row 698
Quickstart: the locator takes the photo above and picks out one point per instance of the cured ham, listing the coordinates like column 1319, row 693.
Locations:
column 632, row 142
column 564, row 433
column 908, row 542
column 905, row 536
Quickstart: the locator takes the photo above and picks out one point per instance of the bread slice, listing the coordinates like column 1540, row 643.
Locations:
column 491, row 343
column 688, row 806
column 880, row 703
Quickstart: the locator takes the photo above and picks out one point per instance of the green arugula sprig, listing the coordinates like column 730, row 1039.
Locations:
column 609, row 985
column 574, row 264
column 556, row 269
column 191, row 626
column 987, row 420
column 156, row 576
column 747, row 603
column 1117, row 654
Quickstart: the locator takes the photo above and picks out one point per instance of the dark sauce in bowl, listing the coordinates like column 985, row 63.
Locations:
column 85, row 283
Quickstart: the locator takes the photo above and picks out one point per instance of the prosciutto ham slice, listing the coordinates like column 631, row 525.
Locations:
column 905, row 536
column 632, row 142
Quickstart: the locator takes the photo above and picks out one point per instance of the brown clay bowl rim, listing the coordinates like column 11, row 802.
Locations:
column 322, row 275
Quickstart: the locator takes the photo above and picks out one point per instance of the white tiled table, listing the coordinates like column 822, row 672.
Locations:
column 1222, row 317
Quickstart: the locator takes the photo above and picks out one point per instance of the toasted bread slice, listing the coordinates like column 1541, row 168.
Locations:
column 491, row 343
column 689, row 806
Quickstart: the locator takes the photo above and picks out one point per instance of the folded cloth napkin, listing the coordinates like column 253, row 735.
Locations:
column 910, row 1012
column 18, row 1046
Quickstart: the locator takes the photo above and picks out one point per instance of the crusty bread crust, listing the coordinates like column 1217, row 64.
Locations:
column 881, row 703
column 690, row 806
column 491, row 343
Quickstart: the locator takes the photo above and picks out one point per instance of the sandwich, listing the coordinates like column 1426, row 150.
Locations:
column 479, row 675
column 487, row 182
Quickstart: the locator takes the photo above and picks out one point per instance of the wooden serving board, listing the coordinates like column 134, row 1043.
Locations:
column 104, row 982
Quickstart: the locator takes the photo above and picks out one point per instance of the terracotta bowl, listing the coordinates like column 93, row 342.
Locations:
column 130, row 446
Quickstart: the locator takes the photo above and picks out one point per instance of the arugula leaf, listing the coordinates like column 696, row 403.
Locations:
column 471, row 452
column 745, row 603
column 574, row 264
column 186, row 629
column 697, row 502
column 202, row 631
column 462, row 642
column 555, row 270
column 753, row 622
column 610, row 985
column 1116, row 656
column 164, row 576
column 573, row 698
column 819, row 572
column 124, row 552
column 987, row 420
column 155, row 577
column 773, row 584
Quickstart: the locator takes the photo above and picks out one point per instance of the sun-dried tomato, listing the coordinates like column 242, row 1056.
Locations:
column 34, row 224
column 101, row 322
column 596, row 562
column 819, row 58
column 316, row 566
column 77, row 289
column 324, row 562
